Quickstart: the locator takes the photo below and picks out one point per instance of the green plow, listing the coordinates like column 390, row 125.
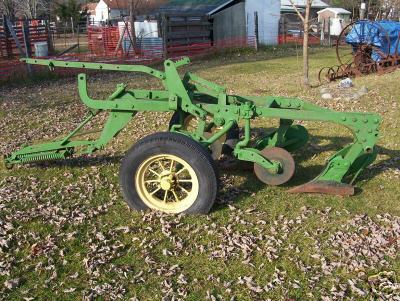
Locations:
column 175, row 171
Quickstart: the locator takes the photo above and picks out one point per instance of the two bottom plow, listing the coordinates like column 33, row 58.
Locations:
column 175, row 171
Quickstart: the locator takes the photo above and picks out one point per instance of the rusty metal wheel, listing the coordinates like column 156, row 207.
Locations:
column 285, row 172
column 364, row 54
column 326, row 74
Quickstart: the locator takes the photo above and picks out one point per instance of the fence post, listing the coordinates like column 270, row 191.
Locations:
column 256, row 29
column 79, row 50
column 164, row 26
column 27, row 41
column 321, row 27
column 284, row 28
column 49, row 36
column 329, row 32
column 7, row 36
column 27, row 44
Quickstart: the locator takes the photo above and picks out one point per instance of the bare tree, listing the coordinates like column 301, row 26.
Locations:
column 306, row 28
column 32, row 8
column 133, row 12
column 138, row 7
column 8, row 8
column 388, row 9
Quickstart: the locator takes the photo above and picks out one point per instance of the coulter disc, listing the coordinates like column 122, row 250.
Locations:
column 286, row 171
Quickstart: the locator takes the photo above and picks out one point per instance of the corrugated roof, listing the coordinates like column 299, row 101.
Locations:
column 336, row 10
column 289, row 9
column 302, row 3
column 201, row 6
column 117, row 4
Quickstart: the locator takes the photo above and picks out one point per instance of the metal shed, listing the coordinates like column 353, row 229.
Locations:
column 248, row 18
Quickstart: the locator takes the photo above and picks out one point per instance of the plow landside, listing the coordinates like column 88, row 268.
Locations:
column 217, row 114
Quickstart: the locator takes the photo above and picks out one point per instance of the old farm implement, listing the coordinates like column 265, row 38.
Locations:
column 175, row 171
column 365, row 47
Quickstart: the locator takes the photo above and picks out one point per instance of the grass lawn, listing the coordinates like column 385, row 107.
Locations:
column 66, row 233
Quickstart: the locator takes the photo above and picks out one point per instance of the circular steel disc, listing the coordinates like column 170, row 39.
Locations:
column 287, row 167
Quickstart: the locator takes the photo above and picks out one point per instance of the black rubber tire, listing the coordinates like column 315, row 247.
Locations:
column 181, row 146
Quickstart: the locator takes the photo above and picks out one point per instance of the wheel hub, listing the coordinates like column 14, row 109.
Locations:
column 277, row 169
column 168, row 182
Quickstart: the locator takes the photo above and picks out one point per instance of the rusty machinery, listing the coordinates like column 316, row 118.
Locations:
column 365, row 47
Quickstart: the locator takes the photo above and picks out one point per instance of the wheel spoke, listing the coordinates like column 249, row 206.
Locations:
column 165, row 196
column 179, row 172
column 347, row 54
column 172, row 165
column 161, row 165
column 154, row 172
column 183, row 189
column 152, row 181
column 186, row 181
column 155, row 191
column 175, row 195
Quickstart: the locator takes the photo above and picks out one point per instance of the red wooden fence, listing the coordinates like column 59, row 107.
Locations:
column 8, row 48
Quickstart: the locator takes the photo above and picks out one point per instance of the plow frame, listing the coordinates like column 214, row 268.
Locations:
column 210, row 104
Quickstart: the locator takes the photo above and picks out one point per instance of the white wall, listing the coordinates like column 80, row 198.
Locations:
column 101, row 12
column 146, row 29
column 142, row 29
column 269, row 12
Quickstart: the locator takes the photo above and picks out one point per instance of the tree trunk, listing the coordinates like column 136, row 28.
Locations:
column 306, row 81
column 132, row 18
column 72, row 27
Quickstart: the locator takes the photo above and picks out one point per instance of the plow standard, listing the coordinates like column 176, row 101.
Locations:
column 175, row 171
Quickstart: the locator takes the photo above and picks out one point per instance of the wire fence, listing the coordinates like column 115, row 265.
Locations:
column 101, row 42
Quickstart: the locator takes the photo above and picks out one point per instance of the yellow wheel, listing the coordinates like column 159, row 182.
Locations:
column 167, row 183
column 169, row 172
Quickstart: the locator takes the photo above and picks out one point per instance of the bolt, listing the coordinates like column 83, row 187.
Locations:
column 219, row 121
column 354, row 119
column 344, row 118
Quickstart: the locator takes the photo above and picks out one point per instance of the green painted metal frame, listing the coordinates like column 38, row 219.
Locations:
column 201, row 99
